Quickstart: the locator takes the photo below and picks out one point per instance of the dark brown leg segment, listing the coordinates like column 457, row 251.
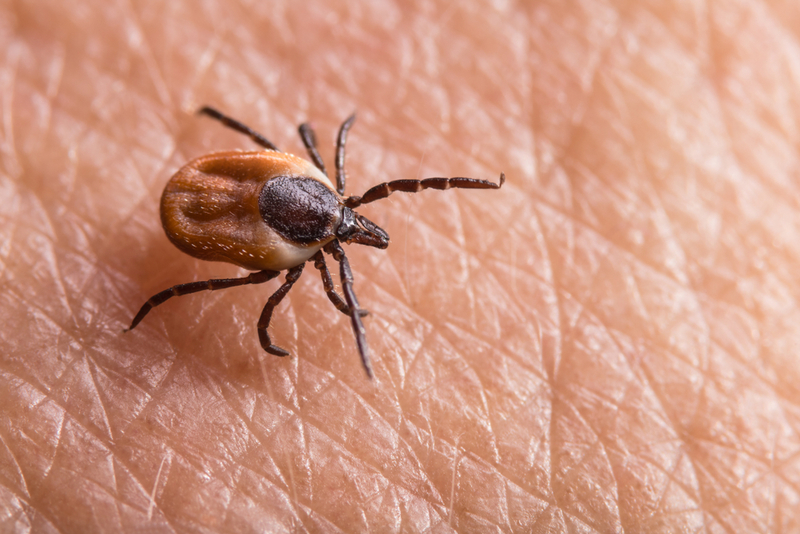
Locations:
column 263, row 322
column 341, row 140
column 346, row 275
column 414, row 186
column 193, row 287
column 310, row 141
column 238, row 126
column 327, row 282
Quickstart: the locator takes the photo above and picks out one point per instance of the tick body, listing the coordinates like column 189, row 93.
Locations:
column 258, row 210
column 268, row 211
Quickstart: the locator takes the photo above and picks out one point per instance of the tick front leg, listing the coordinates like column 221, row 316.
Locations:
column 193, row 287
column 327, row 282
column 346, row 275
column 415, row 186
column 291, row 277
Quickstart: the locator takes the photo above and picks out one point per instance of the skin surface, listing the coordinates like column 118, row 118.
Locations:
column 607, row 344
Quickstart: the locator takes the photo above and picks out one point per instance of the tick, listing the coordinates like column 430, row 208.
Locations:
column 268, row 211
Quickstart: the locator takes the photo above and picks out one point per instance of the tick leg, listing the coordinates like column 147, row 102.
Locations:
column 414, row 186
column 327, row 281
column 346, row 275
column 310, row 140
column 266, row 315
column 238, row 126
column 193, row 287
column 340, row 142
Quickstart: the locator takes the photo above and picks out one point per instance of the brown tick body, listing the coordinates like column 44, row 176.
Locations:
column 268, row 211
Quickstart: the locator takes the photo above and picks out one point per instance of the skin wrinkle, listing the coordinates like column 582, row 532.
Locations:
column 24, row 492
column 94, row 484
column 10, row 161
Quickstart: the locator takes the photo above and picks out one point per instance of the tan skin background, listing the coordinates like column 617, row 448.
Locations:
column 609, row 343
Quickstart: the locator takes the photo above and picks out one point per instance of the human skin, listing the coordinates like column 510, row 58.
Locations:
column 609, row 343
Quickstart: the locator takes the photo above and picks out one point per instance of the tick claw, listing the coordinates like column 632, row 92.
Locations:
column 276, row 350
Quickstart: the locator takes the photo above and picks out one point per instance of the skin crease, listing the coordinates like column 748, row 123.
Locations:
column 609, row 343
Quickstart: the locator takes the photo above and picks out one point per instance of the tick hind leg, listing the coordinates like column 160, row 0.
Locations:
column 263, row 323
column 193, row 287
column 238, row 126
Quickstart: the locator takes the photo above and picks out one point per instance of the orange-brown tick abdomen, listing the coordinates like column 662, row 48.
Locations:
column 210, row 209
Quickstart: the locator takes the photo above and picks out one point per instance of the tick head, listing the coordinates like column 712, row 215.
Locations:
column 355, row 228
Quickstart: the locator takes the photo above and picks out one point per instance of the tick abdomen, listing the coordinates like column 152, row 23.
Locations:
column 210, row 209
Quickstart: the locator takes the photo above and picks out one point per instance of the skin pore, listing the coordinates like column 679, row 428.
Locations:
column 609, row 343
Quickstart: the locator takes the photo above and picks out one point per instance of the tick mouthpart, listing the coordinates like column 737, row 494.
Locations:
column 355, row 228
